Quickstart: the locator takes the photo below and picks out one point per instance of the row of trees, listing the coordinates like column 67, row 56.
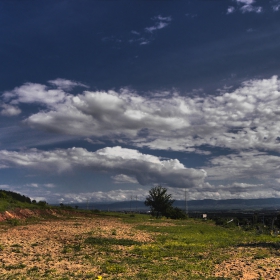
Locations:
column 6, row 195
column 160, row 203
column 13, row 197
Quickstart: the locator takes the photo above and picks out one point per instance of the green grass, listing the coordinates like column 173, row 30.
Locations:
column 16, row 266
column 195, row 247
column 8, row 205
column 181, row 249
column 110, row 241
column 187, row 249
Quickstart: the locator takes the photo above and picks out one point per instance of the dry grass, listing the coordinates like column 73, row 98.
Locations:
column 56, row 248
column 125, row 247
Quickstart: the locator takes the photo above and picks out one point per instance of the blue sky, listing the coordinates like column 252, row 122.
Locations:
column 101, row 100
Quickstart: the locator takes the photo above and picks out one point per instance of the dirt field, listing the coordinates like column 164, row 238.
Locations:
column 47, row 248
column 242, row 266
column 50, row 250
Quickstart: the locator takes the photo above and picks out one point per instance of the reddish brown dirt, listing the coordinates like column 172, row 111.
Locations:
column 242, row 265
column 46, row 248
column 40, row 246
column 21, row 214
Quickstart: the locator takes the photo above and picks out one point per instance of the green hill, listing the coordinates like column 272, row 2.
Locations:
column 10, row 200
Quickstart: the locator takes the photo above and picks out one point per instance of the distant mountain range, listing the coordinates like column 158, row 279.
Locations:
column 192, row 206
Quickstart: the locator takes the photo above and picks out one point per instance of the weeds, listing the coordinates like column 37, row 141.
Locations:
column 113, row 268
column 16, row 245
column 13, row 222
column 16, row 248
column 110, row 241
column 72, row 248
column 15, row 266
column 187, row 249
column 32, row 270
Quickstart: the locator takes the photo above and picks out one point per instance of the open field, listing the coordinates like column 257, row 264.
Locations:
column 119, row 246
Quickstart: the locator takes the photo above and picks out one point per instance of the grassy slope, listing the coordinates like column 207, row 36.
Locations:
column 182, row 249
column 10, row 200
column 6, row 205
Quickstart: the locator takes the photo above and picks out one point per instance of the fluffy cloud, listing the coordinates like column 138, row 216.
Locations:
column 9, row 110
column 235, row 190
column 247, row 164
column 146, row 169
column 246, row 2
column 229, row 191
column 121, row 178
column 246, row 118
column 109, row 196
column 276, row 5
column 4, row 187
column 250, row 8
column 37, row 93
column 230, row 10
column 34, row 93
column 247, row 6
column 246, row 191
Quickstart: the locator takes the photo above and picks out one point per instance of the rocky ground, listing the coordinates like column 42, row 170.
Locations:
column 242, row 266
column 52, row 248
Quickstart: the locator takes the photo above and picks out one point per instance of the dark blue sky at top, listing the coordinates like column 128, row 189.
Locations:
column 88, row 41
column 203, row 50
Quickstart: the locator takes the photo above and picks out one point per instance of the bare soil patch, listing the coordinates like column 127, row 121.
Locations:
column 50, row 249
column 248, row 264
column 57, row 249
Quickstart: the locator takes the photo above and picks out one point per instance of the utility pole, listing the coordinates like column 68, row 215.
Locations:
column 130, row 202
column 136, row 203
column 186, row 205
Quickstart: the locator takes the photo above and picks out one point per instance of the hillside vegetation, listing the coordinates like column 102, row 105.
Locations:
column 11, row 200
column 98, row 245
column 123, row 246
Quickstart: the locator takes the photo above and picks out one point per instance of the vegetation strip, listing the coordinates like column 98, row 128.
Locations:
column 80, row 244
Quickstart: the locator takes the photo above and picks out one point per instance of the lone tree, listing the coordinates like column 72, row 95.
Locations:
column 159, row 201
column 161, row 204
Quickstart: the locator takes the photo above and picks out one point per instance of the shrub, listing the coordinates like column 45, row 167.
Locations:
column 175, row 213
column 42, row 203
column 13, row 222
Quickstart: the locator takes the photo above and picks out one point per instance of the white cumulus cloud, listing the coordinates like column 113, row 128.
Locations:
column 34, row 93
column 247, row 164
column 9, row 110
column 245, row 6
column 146, row 169
column 245, row 118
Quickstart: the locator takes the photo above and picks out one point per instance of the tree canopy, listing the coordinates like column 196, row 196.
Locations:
column 13, row 195
column 159, row 201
